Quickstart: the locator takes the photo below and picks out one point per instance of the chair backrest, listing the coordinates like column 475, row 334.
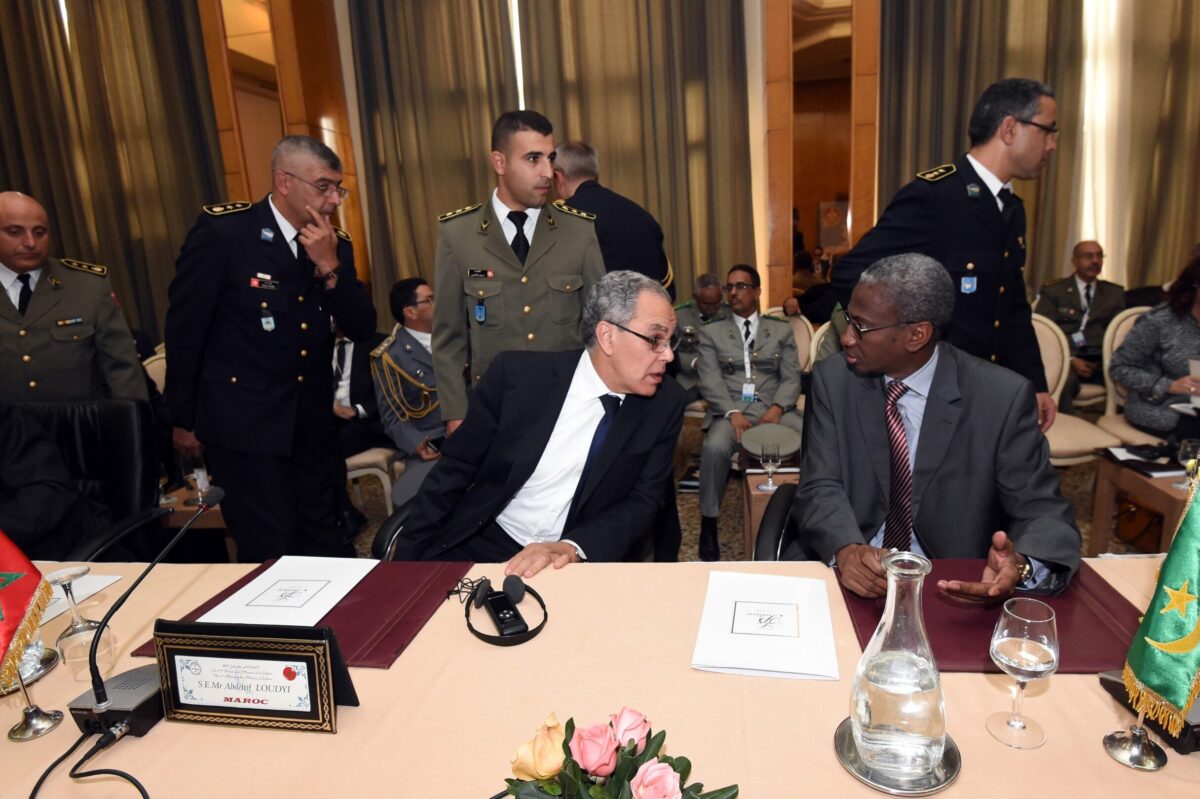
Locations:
column 156, row 367
column 777, row 528
column 803, row 331
column 108, row 447
column 1056, row 353
column 160, row 348
column 1114, row 334
column 774, row 310
column 817, row 339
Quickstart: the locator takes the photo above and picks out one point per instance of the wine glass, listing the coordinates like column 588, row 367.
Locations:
column 1189, row 450
column 770, row 460
column 75, row 642
column 1024, row 646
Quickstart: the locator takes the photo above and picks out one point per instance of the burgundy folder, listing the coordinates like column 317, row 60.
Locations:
column 1095, row 623
column 380, row 616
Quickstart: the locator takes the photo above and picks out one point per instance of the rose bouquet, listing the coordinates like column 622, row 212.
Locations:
column 618, row 760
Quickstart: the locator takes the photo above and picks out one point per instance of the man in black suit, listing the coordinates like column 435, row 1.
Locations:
column 965, row 216
column 249, row 349
column 359, row 425
column 630, row 237
column 563, row 455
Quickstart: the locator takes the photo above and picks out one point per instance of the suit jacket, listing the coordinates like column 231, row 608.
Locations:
column 487, row 460
column 248, row 355
column 630, row 237
column 406, row 390
column 981, row 465
column 948, row 214
column 535, row 306
column 774, row 366
column 1059, row 301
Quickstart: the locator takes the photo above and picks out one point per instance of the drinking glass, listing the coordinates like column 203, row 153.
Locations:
column 1024, row 646
column 1189, row 450
column 75, row 642
column 770, row 461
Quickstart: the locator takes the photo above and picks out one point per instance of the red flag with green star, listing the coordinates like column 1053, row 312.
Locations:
column 24, row 596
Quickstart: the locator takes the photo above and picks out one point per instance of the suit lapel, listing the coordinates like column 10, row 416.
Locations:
column 549, row 391
column 628, row 417
column 873, row 429
column 45, row 296
column 494, row 241
column 986, row 208
column 942, row 416
column 276, row 250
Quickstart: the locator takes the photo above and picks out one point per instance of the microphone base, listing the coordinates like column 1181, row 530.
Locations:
column 134, row 699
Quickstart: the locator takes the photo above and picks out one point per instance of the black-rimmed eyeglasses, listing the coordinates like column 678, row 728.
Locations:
column 657, row 343
column 324, row 187
column 428, row 299
column 1051, row 129
column 861, row 331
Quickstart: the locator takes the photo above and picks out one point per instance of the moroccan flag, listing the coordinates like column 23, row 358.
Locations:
column 1162, row 669
column 23, row 599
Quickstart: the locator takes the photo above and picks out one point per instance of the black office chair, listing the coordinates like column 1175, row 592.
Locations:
column 778, row 528
column 383, row 547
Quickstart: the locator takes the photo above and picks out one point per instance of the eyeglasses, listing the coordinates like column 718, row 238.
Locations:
column 729, row 287
column 323, row 187
column 428, row 299
column 861, row 331
column 657, row 343
column 1051, row 129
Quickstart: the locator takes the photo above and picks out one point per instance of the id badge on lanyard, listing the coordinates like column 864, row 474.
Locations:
column 748, row 390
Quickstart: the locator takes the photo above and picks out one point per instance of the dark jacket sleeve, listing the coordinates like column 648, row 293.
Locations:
column 348, row 300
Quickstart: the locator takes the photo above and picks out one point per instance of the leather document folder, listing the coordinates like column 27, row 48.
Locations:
column 380, row 616
column 1095, row 623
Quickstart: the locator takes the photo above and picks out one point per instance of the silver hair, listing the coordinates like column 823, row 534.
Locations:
column 577, row 160
column 916, row 286
column 614, row 299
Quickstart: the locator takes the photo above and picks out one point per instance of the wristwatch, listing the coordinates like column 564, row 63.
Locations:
column 1025, row 573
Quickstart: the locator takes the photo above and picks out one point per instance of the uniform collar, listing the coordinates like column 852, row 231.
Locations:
column 8, row 277
column 285, row 227
column 991, row 181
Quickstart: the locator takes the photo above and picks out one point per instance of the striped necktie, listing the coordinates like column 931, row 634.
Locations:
column 897, row 530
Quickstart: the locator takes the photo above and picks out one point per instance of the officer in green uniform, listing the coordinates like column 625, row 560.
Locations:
column 510, row 272
column 704, row 307
column 62, row 336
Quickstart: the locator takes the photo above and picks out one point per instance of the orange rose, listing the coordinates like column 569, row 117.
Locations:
column 542, row 757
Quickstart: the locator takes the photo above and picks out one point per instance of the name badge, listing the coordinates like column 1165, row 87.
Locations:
column 748, row 392
column 471, row 273
column 480, row 312
column 1078, row 339
column 261, row 283
column 967, row 286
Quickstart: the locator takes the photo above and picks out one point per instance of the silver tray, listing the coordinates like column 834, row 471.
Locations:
column 847, row 754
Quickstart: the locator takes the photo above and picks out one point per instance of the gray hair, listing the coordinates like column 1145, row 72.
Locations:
column 576, row 160
column 917, row 287
column 291, row 146
column 707, row 281
column 614, row 299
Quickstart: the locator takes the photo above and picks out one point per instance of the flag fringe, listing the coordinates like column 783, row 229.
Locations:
column 25, row 632
column 1143, row 698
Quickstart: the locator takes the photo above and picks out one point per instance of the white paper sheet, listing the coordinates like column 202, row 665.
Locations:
column 766, row 626
column 296, row 590
column 83, row 588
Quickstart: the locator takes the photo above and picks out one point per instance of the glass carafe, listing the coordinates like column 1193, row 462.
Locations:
column 896, row 706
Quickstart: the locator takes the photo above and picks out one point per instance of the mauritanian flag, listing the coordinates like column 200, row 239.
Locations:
column 23, row 598
column 1162, row 669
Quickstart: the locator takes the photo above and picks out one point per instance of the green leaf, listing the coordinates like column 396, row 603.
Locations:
column 569, row 730
column 526, row 790
column 653, row 747
column 551, row 787
column 683, row 767
column 721, row 793
column 599, row 792
column 626, row 792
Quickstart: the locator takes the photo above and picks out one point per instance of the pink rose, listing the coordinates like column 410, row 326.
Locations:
column 630, row 724
column 655, row 780
column 595, row 749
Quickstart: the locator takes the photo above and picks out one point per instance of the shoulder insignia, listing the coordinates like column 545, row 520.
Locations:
column 451, row 214
column 713, row 319
column 669, row 277
column 341, row 234
column 386, row 344
column 683, row 305
column 84, row 266
column 937, row 173
column 220, row 209
column 566, row 209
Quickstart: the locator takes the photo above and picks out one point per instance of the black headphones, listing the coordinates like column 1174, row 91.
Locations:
column 501, row 606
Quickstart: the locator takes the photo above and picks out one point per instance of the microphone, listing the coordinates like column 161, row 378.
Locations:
column 135, row 700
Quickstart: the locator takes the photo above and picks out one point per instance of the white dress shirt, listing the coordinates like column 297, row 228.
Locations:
column 992, row 182
column 341, row 392
column 12, row 286
column 285, row 227
column 538, row 511
column 509, row 229
column 423, row 338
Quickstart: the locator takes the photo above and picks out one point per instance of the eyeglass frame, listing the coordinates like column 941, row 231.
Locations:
column 1050, row 129
column 740, row 286
column 420, row 302
column 657, row 343
column 341, row 191
column 860, row 331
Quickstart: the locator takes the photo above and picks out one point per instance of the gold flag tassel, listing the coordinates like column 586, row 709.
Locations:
column 25, row 633
column 1143, row 698
column 391, row 378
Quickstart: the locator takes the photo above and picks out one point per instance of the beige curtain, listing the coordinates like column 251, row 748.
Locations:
column 432, row 77
column 658, row 87
column 112, row 129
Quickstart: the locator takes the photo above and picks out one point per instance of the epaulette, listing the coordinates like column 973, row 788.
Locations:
column 937, row 173
column 220, row 209
column 451, row 214
column 683, row 305
column 84, row 266
column 712, row 319
column 566, row 209
column 341, row 234
column 386, row 344
column 668, row 278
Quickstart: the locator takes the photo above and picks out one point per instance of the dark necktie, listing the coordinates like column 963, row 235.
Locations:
column 26, row 293
column 746, row 335
column 1087, row 298
column 612, row 404
column 897, row 530
column 340, row 369
column 1010, row 205
column 520, row 244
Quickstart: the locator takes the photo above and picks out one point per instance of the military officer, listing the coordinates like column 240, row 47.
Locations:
column 62, row 335
column 749, row 375
column 966, row 217
column 249, row 347
column 511, row 271
column 704, row 307
column 1082, row 305
column 406, row 385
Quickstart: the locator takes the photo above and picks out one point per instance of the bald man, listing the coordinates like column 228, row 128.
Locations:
column 62, row 336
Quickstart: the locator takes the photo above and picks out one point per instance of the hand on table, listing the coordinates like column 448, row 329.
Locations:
column 1000, row 576
column 861, row 570
column 535, row 557
column 1047, row 410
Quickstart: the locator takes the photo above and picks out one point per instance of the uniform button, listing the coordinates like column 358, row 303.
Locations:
column 303, row 353
column 262, row 305
column 970, row 266
column 567, row 287
column 33, row 384
column 527, row 309
column 22, row 332
column 1006, row 253
column 299, row 378
column 524, row 278
column 996, row 323
column 26, row 358
column 530, row 337
column 233, row 380
column 476, row 378
column 300, row 298
column 481, row 294
column 304, row 325
column 1002, row 289
column 993, row 359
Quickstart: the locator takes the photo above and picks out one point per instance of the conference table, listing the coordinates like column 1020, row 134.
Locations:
column 446, row 719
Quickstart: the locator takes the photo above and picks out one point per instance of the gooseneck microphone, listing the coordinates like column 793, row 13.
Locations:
column 135, row 699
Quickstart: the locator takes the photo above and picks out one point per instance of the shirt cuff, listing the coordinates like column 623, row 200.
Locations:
column 578, row 549
column 1038, row 577
column 360, row 411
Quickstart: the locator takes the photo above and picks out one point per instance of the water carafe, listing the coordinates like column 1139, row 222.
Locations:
column 897, row 711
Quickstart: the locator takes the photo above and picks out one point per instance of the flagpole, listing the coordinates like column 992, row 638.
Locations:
column 1134, row 748
column 34, row 722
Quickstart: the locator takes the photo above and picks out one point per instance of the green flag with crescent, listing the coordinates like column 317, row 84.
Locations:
column 1162, row 669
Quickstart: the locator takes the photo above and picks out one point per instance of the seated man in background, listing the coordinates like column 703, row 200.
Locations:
column 749, row 375
column 563, row 456
column 1082, row 305
column 354, row 405
column 705, row 307
column 915, row 445
column 406, row 386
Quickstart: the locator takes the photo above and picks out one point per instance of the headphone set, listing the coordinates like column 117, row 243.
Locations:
column 501, row 607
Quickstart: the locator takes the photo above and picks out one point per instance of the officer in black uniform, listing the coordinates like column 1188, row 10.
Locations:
column 965, row 216
column 630, row 237
column 249, row 347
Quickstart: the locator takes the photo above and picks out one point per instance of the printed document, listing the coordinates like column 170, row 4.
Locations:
column 296, row 590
